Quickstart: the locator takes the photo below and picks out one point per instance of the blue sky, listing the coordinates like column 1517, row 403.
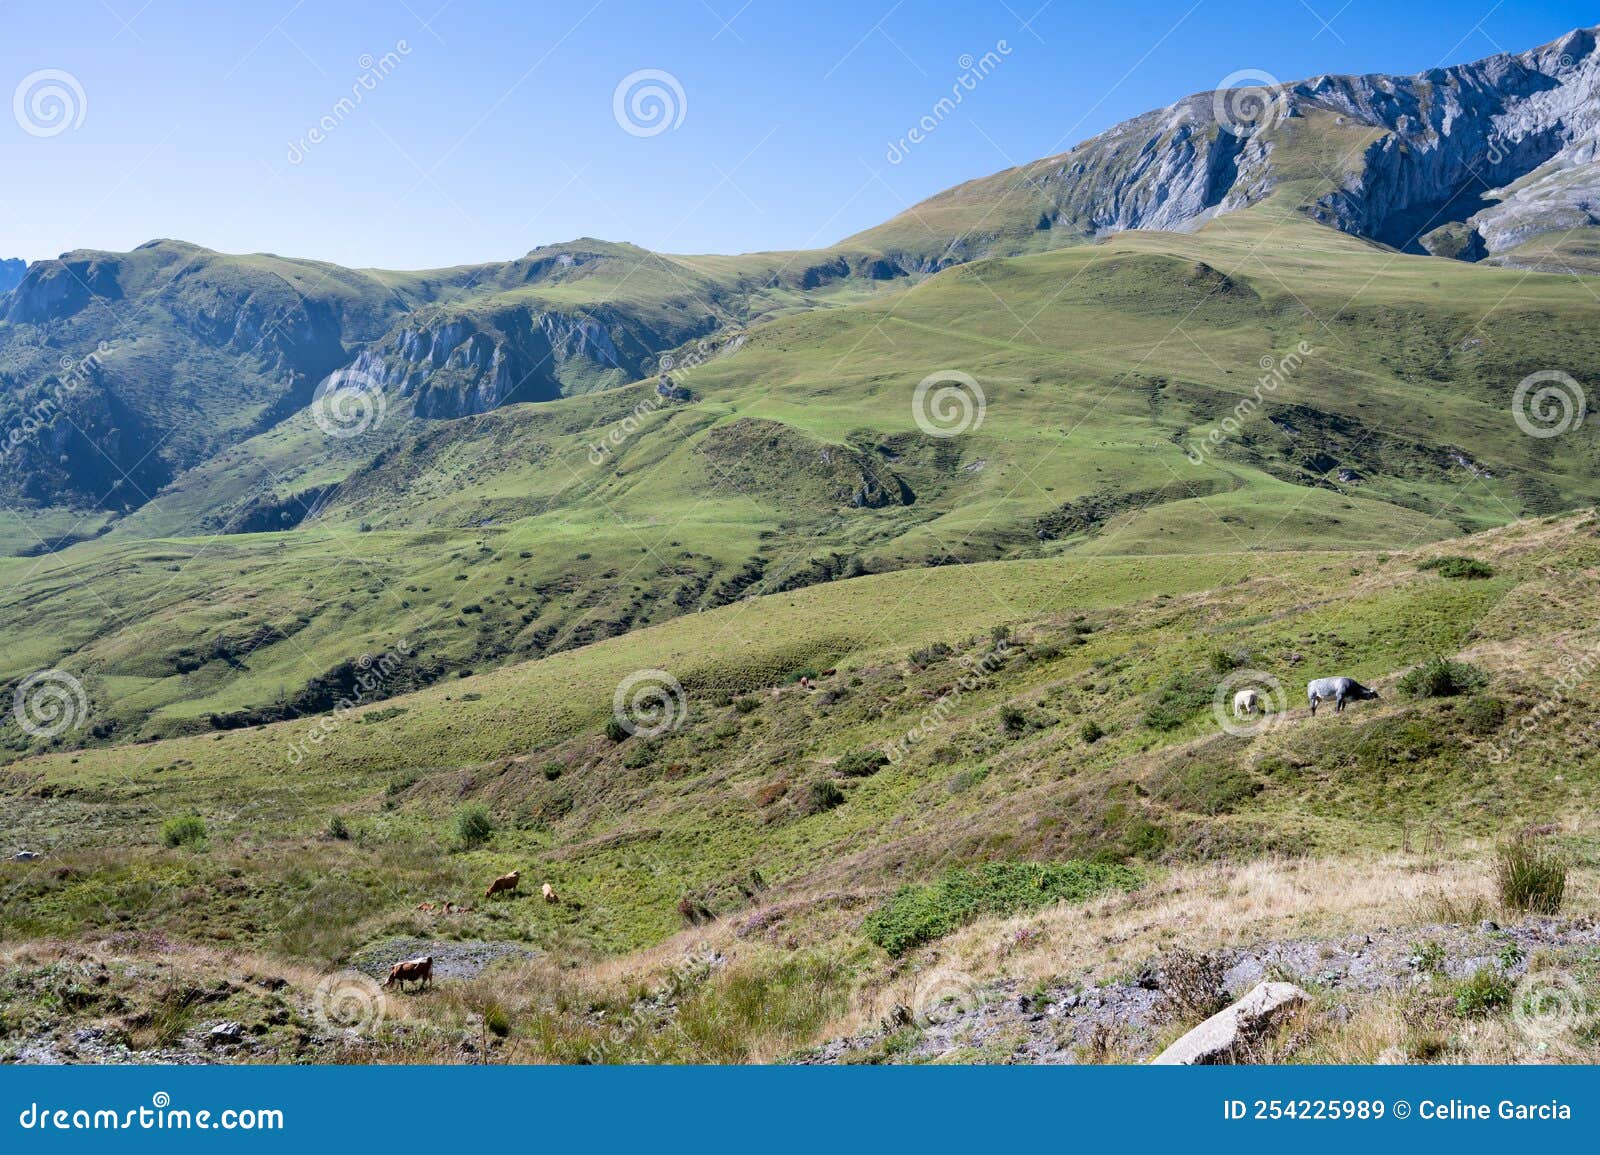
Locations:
column 491, row 128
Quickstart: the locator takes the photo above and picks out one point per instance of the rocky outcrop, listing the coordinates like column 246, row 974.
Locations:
column 1504, row 148
column 1223, row 1037
column 457, row 364
column 1505, row 145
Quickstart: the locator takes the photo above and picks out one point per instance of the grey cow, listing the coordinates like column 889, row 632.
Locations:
column 1337, row 691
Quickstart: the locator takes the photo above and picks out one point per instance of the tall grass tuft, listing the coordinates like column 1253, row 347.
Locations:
column 1532, row 877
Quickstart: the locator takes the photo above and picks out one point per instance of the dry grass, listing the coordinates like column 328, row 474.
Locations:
column 1202, row 908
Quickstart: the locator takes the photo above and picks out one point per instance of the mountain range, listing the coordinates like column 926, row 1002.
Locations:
column 1271, row 315
column 843, row 645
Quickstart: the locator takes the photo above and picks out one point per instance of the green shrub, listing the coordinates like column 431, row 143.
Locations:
column 861, row 763
column 1012, row 719
column 338, row 830
column 1442, row 678
column 1458, row 567
column 1428, row 957
column 615, row 730
column 1180, row 698
column 823, row 794
column 474, row 827
column 553, row 770
column 1091, row 732
column 1384, row 746
column 920, row 914
column 1483, row 714
column 963, row 780
column 1202, row 789
column 745, row 705
column 640, row 755
column 1532, row 878
column 187, row 831
column 1483, row 992
column 1140, row 838
column 1221, row 662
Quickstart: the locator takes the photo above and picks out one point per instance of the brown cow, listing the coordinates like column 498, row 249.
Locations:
column 550, row 894
column 504, row 882
column 417, row 970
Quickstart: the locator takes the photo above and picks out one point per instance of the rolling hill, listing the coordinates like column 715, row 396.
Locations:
column 818, row 622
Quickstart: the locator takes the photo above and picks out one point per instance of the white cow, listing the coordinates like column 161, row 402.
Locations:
column 1245, row 703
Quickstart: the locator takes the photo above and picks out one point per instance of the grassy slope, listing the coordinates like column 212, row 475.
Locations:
column 1099, row 364
column 629, row 829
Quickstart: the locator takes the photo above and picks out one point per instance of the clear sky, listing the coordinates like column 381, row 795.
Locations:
column 484, row 129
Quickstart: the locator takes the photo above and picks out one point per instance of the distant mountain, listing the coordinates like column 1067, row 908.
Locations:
column 1268, row 375
column 11, row 271
column 145, row 364
column 124, row 370
column 1472, row 161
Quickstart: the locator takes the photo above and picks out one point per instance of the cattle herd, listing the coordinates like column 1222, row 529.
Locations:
column 420, row 970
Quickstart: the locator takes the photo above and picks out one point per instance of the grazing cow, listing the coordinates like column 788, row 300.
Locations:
column 550, row 893
column 1338, row 691
column 412, row 970
column 504, row 882
column 1245, row 703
